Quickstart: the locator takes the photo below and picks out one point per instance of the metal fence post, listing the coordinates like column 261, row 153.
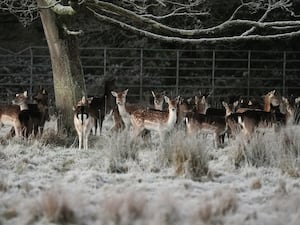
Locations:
column 177, row 72
column 248, row 74
column 31, row 71
column 284, row 74
column 141, row 74
column 104, row 61
column 213, row 75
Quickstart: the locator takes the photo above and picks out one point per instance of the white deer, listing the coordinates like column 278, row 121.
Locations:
column 83, row 122
column 160, row 121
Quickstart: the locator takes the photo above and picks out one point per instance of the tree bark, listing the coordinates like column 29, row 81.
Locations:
column 69, row 85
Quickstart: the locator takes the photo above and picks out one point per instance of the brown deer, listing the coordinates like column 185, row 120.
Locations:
column 231, row 119
column 38, row 112
column 83, row 122
column 268, row 100
column 250, row 120
column 118, row 124
column 201, row 105
column 197, row 122
column 102, row 105
column 9, row 115
column 160, row 121
column 24, row 114
column 125, row 109
column 158, row 100
column 184, row 106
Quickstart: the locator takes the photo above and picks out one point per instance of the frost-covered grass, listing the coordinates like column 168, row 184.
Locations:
column 182, row 181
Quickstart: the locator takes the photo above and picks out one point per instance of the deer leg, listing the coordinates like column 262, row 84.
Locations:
column 96, row 126
column 85, row 141
column 136, row 132
column 80, row 139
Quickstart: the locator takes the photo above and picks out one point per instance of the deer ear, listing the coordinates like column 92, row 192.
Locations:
column 90, row 99
column 166, row 99
column 114, row 93
column 44, row 92
column 153, row 94
column 125, row 92
column 224, row 104
column 235, row 104
column 25, row 93
column 189, row 100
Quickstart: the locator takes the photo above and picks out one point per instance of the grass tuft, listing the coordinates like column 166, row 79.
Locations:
column 188, row 155
column 269, row 148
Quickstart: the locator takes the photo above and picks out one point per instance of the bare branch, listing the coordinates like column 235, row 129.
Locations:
column 206, row 40
column 58, row 8
column 69, row 32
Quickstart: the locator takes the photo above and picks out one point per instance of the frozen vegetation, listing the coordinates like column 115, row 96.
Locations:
column 185, row 181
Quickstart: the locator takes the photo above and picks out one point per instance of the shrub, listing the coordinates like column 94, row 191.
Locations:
column 270, row 148
column 188, row 155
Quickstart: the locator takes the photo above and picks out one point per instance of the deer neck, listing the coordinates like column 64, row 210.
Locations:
column 289, row 115
column 158, row 107
column 23, row 106
column 172, row 118
column 267, row 104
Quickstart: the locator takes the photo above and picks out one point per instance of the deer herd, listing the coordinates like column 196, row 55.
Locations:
column 164, row 115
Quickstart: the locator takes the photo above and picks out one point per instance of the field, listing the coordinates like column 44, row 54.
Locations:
column 185, row 181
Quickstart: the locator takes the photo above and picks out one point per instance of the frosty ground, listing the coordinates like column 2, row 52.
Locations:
column 46, row 183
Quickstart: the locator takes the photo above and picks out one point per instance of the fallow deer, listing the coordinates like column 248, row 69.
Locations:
column 24, row 114
column 214, row 115
column 38, row 112
column 158, row 100
column 160, row 121
column 100, row 106
column 184, row 106
column 83, row 122
column 9, row 115
column 231, row 119
column 196, row 122
column 253, row 119
column 268, row 101
column 118, row 124
column 125, row 109
column 201, row 105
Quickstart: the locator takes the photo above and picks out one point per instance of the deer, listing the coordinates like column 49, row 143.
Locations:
column 269, row 100
column 201, row 105
column 83, row 121
column 125, row 109
column 158, row 100
column 184, row 106
column 118, row 124
column 155, row 120
column 100, row 106
column 231, row 118
column 9, row 115
column 250, row 120
column 38, row 112
column 24, row 115
column 197, row 122
column 214, row 115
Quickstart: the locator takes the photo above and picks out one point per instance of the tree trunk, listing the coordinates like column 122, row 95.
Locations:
column 69, row 85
